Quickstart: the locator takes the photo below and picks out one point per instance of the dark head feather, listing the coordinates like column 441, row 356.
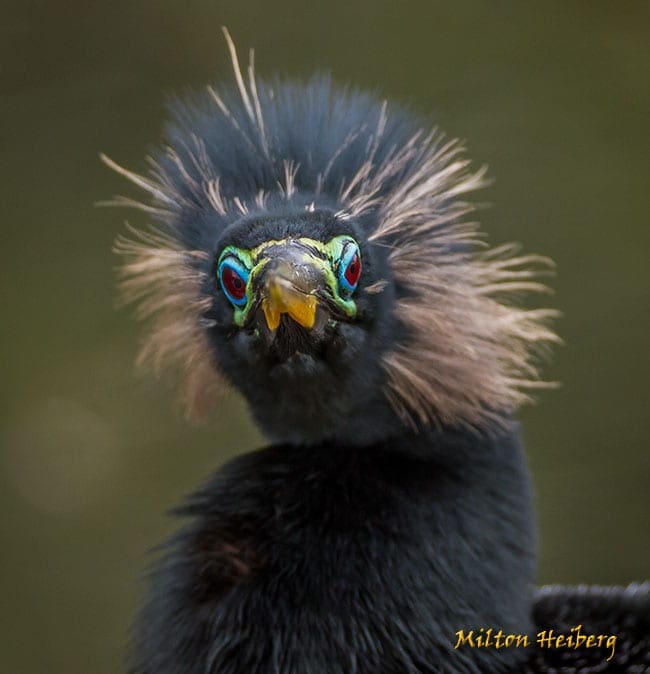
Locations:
column 464, row 350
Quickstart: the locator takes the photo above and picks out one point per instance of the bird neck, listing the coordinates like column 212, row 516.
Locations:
column 417, row 537
column 298, row 416
column 440, row 521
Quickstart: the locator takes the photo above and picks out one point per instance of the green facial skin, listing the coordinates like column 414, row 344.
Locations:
column 255, row 260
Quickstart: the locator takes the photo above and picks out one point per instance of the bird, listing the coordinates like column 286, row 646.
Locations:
column 311, row 246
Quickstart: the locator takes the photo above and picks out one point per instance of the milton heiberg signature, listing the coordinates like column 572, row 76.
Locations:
column 575, row 639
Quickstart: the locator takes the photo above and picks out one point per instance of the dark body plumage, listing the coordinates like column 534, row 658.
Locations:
column 624, row 612
column 339, row 559
column 394, row 507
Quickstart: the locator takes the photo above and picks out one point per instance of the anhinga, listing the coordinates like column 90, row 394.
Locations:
column 310, row 247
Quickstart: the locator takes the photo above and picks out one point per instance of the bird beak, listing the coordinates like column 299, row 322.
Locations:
column 290, row 283
column 282, row 297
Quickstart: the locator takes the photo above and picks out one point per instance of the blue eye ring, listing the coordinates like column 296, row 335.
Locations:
column 233, row 278
column 348, row 270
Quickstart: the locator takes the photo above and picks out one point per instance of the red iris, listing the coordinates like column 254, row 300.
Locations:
column 353, row 271
column 233, row 283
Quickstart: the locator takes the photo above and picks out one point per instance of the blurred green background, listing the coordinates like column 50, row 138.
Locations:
column 553, row 96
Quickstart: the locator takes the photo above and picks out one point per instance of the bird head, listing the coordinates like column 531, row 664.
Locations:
column 310, row 247
column 300, row 313
column 288, row 294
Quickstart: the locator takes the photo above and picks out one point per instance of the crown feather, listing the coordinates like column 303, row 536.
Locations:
column 468, row 351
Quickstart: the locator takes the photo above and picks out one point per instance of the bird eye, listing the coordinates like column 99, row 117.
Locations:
column 349, row 267
column 233, row 277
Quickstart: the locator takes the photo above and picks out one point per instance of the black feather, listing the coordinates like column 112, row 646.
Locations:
column 394, row 508
column 612, row 611
column 340, row 560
